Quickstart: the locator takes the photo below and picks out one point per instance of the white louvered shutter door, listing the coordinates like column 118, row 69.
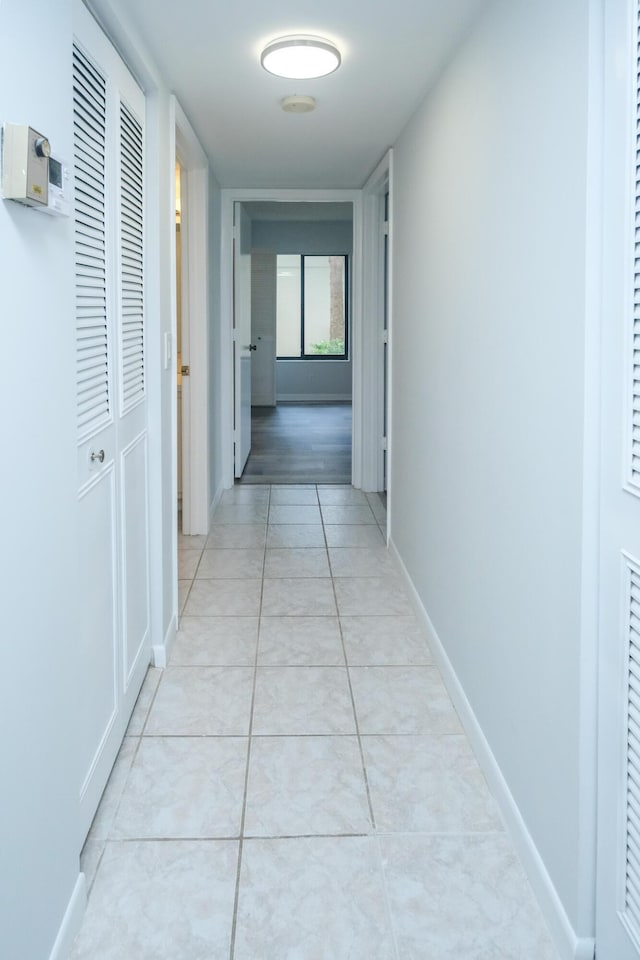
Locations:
column 92, row 333
column 132, row 325
column 113, row 614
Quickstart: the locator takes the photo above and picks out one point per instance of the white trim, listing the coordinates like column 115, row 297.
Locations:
column 373, row 310
column 228, row 198
column 196, row 175
column 161, row 652
column 586, row 878
column 568, row 944
column 72, row 920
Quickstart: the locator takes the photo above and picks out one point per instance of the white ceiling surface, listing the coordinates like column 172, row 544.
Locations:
column 209, row 50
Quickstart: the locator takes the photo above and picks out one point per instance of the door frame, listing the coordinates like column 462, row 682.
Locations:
column 195, row 272
column 228, row 198
column 375, row 189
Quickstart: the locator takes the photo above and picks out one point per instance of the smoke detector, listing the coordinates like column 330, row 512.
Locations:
column 298, row 103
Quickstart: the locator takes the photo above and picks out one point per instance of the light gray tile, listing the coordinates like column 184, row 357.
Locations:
column 229, row 564
column 302, row 700
column 143, row 703
column 240, row 536
column 188, row 561
column 371, row 641
column 319, row 897
column 348, row 514
column 106, row 813
column 254, row 493
column 294, row 514
column 215, row 641
column 202, row 701
column 224, row 598
column 241, row 513
column 183, row 787
column 402, row 700
column 90, row 858
column 371, row 596
column 341, row 496
column 361, row 562
column 161, row 900
column 296, row 563
column 294, row 496
column 378, row 507
column 429, row 784
column 295, row 535
column 298, row 598
column 306, row 785
column 300, row 641
column 183, row 592
column 350, row 535
column 196, row 542
column 454, row 897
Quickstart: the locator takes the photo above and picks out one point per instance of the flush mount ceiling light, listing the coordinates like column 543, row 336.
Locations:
column 300, row 57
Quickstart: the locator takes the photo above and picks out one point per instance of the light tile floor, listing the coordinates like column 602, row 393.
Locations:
column 296, row 784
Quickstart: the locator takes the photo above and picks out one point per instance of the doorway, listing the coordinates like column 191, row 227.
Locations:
column 294, row 257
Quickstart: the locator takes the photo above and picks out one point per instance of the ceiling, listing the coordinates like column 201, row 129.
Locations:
column 208, row 52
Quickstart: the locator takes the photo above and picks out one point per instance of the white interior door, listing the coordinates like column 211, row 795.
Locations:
column 113, row 555
column 242, row 345
column 618, row 888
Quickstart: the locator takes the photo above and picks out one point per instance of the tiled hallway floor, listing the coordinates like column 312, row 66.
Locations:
column 296, row 784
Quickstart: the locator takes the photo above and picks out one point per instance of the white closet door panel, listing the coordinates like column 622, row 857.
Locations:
column 135, row 555
column 98, row 698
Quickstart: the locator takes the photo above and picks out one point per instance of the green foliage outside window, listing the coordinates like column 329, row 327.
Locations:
column 329, row 346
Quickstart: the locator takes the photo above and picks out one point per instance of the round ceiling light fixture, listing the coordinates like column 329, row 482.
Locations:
column 298, row 103
column 300, row 57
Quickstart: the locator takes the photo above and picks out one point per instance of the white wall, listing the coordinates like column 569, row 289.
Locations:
column 308, row 379
column 38, row 679
column 489, row 312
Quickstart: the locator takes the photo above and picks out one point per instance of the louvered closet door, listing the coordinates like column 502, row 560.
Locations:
column 618, row 887
column 113, row 567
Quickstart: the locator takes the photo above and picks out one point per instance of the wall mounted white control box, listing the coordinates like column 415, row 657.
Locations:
column 25, row 165
column 58, row 204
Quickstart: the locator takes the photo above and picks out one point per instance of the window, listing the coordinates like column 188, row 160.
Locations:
column 311, row 307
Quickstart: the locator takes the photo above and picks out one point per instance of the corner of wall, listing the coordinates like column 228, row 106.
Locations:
column 570, row 946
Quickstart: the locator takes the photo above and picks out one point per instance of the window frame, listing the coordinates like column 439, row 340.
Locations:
column 340, row 357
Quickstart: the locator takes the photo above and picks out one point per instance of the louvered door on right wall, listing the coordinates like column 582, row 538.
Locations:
column 618, row 807
column 113, row 561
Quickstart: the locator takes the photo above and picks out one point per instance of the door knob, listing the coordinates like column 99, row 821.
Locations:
column 253, row 346
column 99, row 456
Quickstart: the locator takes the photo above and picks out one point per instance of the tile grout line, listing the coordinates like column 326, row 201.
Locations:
column 236, row 900
column 353, row 702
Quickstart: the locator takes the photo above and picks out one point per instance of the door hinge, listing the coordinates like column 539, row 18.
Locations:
column 185, row 370
column 383, row 443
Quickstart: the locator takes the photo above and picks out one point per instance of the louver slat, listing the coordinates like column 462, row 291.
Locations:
column 132, row 331
column 632, row 866
column 633, row 455
column 92, row 347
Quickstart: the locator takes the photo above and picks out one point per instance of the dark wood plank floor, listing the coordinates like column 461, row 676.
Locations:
column 300, row 443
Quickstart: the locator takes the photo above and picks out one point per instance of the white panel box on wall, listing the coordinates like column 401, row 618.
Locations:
column 25, row 165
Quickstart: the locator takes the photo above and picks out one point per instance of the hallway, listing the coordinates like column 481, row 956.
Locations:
column 296, row 784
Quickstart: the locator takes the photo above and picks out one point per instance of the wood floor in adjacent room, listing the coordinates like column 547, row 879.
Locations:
column 300, row 443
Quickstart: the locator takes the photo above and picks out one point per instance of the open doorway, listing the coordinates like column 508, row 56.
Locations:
column 292, row 274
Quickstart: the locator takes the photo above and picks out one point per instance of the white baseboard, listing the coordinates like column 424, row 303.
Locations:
column 161, row 652
column 313, row 398
column 568, row 944
column 72, row 920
